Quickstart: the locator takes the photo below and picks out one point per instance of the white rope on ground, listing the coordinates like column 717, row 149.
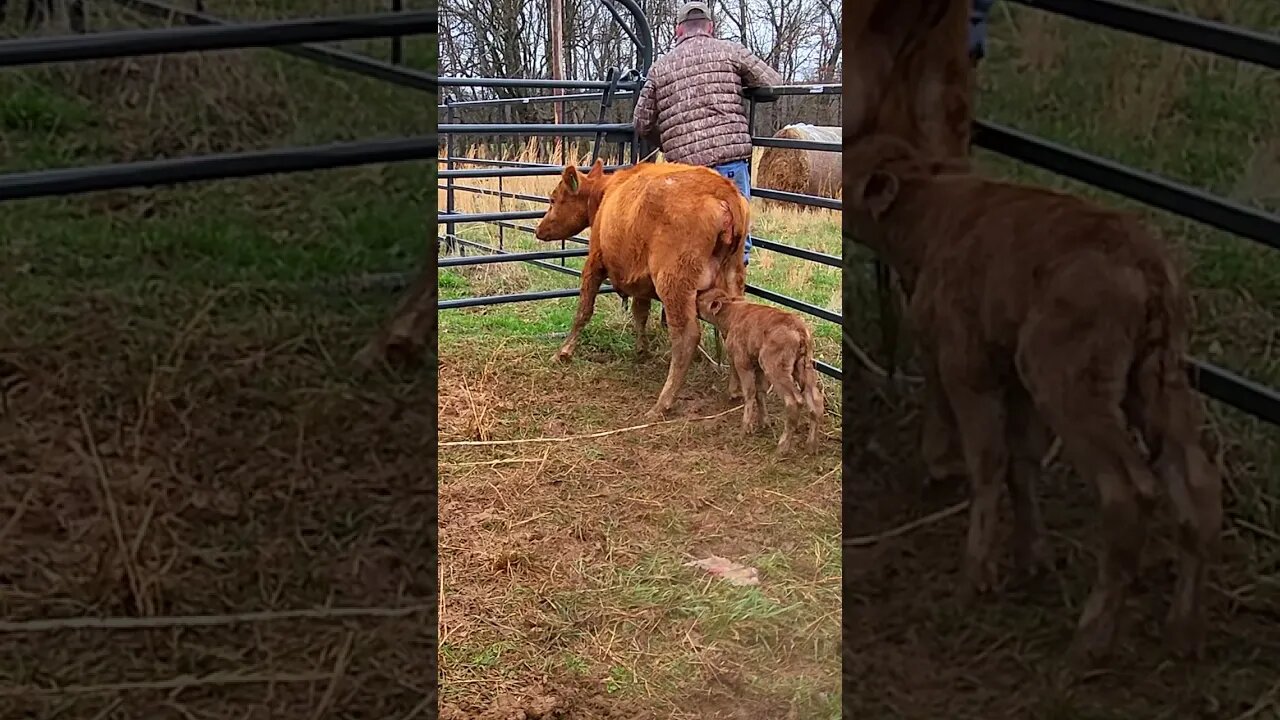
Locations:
column 568, row 438
column 868, row 540
column 177, row 621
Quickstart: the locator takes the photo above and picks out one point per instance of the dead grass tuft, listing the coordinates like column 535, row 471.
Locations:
column 561, row 566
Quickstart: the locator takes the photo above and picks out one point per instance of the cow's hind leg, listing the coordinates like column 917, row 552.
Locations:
column 640, row 324
column 678, row 298
column 593, row 275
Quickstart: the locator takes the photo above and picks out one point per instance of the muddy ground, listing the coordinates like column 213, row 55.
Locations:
column 563, row 590
column 181, row 455
column 915, row 650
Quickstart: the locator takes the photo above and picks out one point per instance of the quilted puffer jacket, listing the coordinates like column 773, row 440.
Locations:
column 692, row 102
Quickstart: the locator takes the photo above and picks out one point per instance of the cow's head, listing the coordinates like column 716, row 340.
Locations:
column 571, row 203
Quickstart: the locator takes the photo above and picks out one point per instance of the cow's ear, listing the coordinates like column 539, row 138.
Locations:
column 879, row 191
column 597, row 169
column 570, row 177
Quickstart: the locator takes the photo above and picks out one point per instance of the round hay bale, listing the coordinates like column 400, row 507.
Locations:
column 808, row 172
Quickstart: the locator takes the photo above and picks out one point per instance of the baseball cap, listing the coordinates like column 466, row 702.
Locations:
column 693, row 11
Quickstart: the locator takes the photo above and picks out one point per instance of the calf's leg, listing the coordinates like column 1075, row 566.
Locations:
column 1078, row 388
column 780, row 370
column 1195, row 487
column 1028, row 443
column 981, row 415
column 640, row 324
column 682, row 318
column 745, row 368
column 940, row 443
column 593, row 275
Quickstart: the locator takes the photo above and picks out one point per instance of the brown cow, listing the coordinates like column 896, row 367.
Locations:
column 768, row 346
column 658, row 231
column 907, row 73
column 1040, row 311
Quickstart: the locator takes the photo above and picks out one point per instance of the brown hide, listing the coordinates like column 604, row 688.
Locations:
column 658, row 231
column 769, row 347
column 907, row 72
column 1041, row 312
column 404, row 338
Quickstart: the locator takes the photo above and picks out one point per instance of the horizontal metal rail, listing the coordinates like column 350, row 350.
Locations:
column 1156, row 24
column 514, row 83
column 797, row 198
column 71, row 181
column 518, row 163
column 512, row 172
column 160, row 41
column 514, row 298
column 538, row 99
column 1177, row 198
column 796, row 252
column 565, row 129
column 759, row 141
column 802, row 253
column 532, row 100
column 505, row 257
column 331, row 57
column 455, row 218
column 822, row 89
column 563, row 269
column 804, row 307
column 494, row 193
column 1241, row 393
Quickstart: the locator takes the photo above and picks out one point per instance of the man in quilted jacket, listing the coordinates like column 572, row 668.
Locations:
column 692, row 106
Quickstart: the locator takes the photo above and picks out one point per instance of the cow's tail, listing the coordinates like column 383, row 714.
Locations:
column 731, row 246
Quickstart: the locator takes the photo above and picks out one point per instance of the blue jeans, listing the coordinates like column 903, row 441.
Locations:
column 738, row 173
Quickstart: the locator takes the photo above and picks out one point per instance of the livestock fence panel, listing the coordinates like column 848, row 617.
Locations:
column 1180, row 199
column 615, row 87
column 210, row 34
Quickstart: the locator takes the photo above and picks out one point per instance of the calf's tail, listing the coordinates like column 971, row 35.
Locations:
column 1169, row 414
column 806, row 377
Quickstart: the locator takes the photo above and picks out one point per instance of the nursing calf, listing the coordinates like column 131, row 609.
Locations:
column 659, row 231
column 1042, row 312
column 767, row 346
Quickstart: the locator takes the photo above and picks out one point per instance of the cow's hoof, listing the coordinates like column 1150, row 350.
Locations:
column 655, row 415
column 562, row 356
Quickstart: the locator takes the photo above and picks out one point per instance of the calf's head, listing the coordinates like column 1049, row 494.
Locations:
column 711, row 303
column 875, row 168
column 573, row 203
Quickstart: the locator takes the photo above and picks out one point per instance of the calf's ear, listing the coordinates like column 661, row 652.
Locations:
column 570, row 177
column 879, row 191
column 597, row 169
